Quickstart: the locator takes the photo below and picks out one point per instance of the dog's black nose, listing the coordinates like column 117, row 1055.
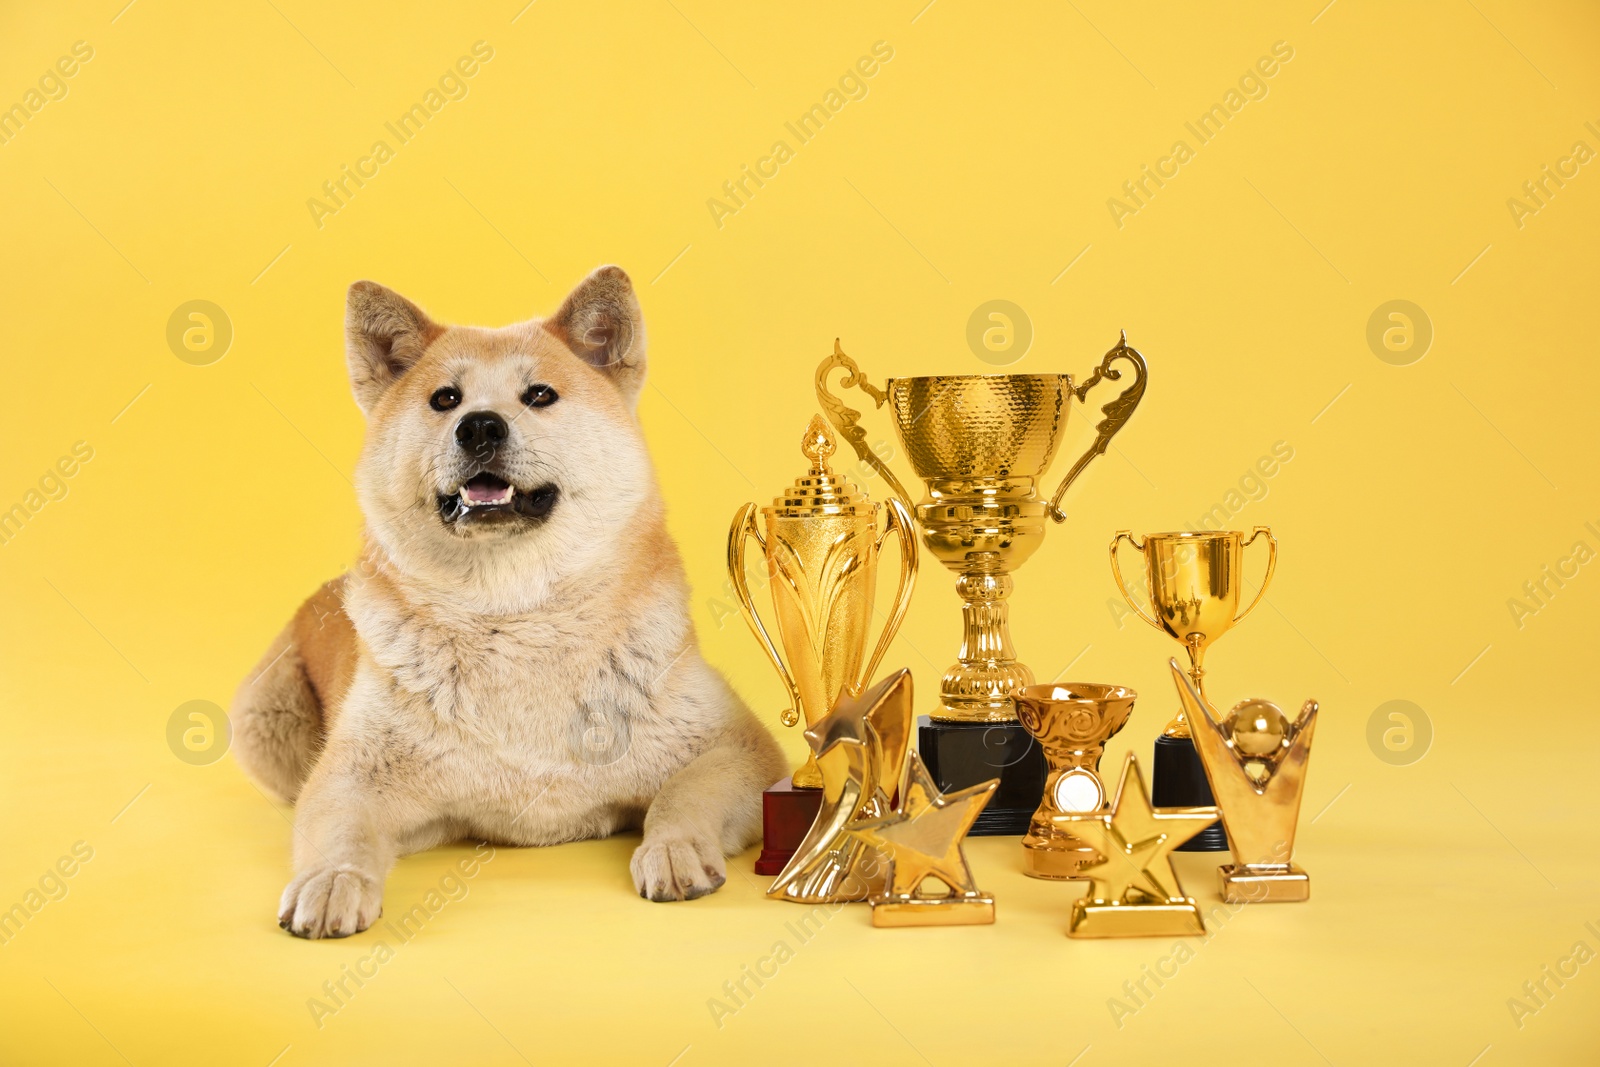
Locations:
column 481, row 432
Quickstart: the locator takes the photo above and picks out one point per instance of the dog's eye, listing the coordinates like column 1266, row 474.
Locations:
column 539, row 396
column 445, row 399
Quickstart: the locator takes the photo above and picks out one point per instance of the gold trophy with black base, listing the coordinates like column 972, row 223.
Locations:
column 981, row 443
column 1195, row 580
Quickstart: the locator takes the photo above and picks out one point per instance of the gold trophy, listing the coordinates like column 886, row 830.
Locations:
column 1255, row 760
column 821, row 547
column 1134, row 891
column 1194, row 589
column 861, row 746
column 1072, row 721
column 981, row 443
column 920, row 839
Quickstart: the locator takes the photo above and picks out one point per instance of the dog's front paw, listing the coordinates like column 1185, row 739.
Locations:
column 331, row 902
column 677, row 866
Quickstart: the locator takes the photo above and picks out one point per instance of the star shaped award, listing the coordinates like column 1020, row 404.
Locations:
column 921, row 839
column 1134, row 891
column 860, row 747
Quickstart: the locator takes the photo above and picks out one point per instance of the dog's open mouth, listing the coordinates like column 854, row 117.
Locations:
column 488, row 498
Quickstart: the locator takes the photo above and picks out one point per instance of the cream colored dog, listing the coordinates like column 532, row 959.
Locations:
column 512, row 659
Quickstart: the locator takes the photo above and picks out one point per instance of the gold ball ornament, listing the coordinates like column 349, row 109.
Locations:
column 788, row 716
column 1258, row 727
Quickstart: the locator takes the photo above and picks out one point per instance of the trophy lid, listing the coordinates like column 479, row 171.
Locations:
column 819, row 491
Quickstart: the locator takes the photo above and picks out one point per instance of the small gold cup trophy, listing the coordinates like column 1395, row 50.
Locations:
column 1072, row 721
column 821, row 548
column 981, row 443
column 1256, row 761
column 1194, row 589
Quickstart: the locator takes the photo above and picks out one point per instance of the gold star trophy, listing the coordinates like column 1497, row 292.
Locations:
column 860, row 746
column 922, row 839
column 1134, row 891
column 1255, row 760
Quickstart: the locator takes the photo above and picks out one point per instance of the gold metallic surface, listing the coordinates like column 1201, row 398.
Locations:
column 861, row 744
column 1256, row 762
column 821, row 549
column 1286, row 883
column 922, row 838
column 1194, row 587
column 981, row 443
column 1134, row 891
column 1072, row 722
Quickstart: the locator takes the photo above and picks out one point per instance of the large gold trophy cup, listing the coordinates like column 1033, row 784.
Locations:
column 982, row 443
column 1195, row 580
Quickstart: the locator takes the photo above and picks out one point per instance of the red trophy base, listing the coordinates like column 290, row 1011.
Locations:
column 786, row 814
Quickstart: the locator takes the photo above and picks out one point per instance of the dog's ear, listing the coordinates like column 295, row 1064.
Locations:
column 600, row 321
column 384, row 335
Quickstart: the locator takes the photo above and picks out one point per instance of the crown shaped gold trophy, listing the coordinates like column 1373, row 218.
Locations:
column 981, row 443
column 821, row 548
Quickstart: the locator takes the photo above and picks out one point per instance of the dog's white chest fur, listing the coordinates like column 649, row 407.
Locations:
column 522, row 728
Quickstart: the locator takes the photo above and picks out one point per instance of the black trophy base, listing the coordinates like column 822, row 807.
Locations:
column 1180, row 782
column 961, row 754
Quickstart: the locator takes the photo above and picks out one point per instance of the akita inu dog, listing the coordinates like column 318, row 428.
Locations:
column 512, row 658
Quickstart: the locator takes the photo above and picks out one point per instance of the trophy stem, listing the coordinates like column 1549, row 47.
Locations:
column 809, row 776
column 1179, row 726
column 978, row 687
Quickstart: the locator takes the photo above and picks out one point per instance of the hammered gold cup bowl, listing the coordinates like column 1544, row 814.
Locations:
column 1072, row 721
column 981, row 443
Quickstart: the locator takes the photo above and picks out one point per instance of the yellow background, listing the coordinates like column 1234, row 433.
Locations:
column 1419, row 500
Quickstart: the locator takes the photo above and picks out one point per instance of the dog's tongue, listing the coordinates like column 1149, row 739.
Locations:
column 486, row 489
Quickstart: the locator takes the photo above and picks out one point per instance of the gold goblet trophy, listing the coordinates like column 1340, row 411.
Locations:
column 981, row 443
column 1195, row 580
column 821, row 548
column 1072, row 721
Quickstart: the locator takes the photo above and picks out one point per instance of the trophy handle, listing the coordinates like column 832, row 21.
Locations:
column 1116, row 572
column 1116, row 413
column 899, row 521
column 1272, row 564
column 743, row 528
column 847, row 420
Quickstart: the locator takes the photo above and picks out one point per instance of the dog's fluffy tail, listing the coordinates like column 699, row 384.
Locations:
column 281, row 710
